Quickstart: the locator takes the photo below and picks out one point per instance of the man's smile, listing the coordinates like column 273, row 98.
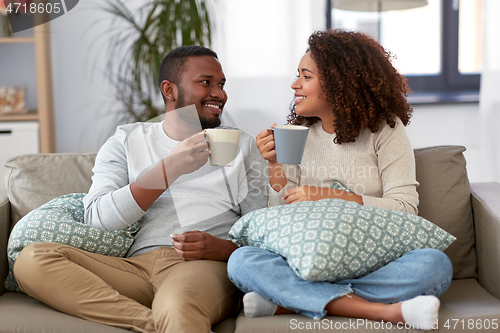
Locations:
column 214, row 107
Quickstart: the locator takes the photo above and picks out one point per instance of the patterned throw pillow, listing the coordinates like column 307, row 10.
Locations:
column 333, row 239
column 61, row 221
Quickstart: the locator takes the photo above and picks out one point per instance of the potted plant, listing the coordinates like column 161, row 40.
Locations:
column 139, row 41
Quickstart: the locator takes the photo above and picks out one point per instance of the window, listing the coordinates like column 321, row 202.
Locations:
column 437, row 46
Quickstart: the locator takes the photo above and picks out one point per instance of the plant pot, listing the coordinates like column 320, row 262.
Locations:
column 5, row 30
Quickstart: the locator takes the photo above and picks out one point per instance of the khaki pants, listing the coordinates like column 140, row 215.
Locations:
column 153, row 292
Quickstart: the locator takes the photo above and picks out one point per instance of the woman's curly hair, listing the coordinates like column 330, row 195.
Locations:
column 358, row 78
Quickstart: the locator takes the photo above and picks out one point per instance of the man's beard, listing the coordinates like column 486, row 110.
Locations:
column 200, row 120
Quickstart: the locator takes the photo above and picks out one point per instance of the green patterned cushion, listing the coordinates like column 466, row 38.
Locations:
column 333, row 239
column 61, row 221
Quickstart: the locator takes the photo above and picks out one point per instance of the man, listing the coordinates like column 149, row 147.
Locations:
column 174, row 278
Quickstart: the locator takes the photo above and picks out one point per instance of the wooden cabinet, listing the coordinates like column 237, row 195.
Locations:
column 44, row 113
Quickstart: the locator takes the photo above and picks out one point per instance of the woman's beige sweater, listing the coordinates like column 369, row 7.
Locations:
column 378, row 166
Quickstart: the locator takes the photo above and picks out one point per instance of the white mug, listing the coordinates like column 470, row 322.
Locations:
column 223, row 145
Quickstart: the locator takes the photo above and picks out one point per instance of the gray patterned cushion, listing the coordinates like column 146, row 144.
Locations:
column 61, row 221
column 333, row 239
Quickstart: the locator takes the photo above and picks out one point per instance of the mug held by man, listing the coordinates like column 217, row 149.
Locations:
column 223, row 145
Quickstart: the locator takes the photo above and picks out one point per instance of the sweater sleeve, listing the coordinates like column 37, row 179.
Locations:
column 396, row 162
column 292, row 173
column 110, row 204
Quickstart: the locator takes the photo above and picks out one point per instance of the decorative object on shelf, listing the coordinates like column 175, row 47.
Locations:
column 5, row 30
column 144, row 37
column 12, row 100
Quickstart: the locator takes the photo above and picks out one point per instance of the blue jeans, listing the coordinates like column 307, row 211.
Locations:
column 419, row 272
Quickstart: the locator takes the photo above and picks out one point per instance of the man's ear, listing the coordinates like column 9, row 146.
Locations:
column 169, row 90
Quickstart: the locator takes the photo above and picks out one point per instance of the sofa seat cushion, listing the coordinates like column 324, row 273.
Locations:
column 464, row 300
column 444, row 194
column 21, row 313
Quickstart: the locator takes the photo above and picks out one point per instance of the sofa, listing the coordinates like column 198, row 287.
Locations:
column 471, row 212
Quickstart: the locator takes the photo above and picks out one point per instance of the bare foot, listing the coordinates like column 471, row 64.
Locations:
column 356, row 307
column 394, row 314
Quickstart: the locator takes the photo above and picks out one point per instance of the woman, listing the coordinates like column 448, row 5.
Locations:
column 353, row 101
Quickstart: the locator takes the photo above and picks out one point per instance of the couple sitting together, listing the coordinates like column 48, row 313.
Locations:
column 178, row 274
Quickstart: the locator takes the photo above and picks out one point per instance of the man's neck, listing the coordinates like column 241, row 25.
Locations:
column 179, row 126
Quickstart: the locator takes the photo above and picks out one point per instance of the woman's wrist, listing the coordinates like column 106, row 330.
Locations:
column 351, row 197
column 277, row 178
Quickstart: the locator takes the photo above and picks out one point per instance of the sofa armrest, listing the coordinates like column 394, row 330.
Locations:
column 4, row 238
column 485, row 198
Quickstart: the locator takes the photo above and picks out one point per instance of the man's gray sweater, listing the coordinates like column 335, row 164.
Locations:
column 210, row 199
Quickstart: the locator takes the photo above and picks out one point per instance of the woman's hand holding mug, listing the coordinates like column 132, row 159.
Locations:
column 266, row 145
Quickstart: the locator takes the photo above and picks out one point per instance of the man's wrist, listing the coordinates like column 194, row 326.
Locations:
column 229, row 247
column 172, row 169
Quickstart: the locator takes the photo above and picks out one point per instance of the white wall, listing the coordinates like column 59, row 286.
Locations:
column 259, row 43
column 259, row 61
column 449, row 124
column 82, row 96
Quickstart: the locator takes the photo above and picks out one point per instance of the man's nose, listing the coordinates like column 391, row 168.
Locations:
column 217, row 92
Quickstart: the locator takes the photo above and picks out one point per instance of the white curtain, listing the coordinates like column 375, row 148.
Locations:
column 490, row 93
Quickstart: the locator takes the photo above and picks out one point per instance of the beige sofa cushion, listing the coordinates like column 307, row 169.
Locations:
column 445, row 200
column 21, row 313
column 35, row 179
